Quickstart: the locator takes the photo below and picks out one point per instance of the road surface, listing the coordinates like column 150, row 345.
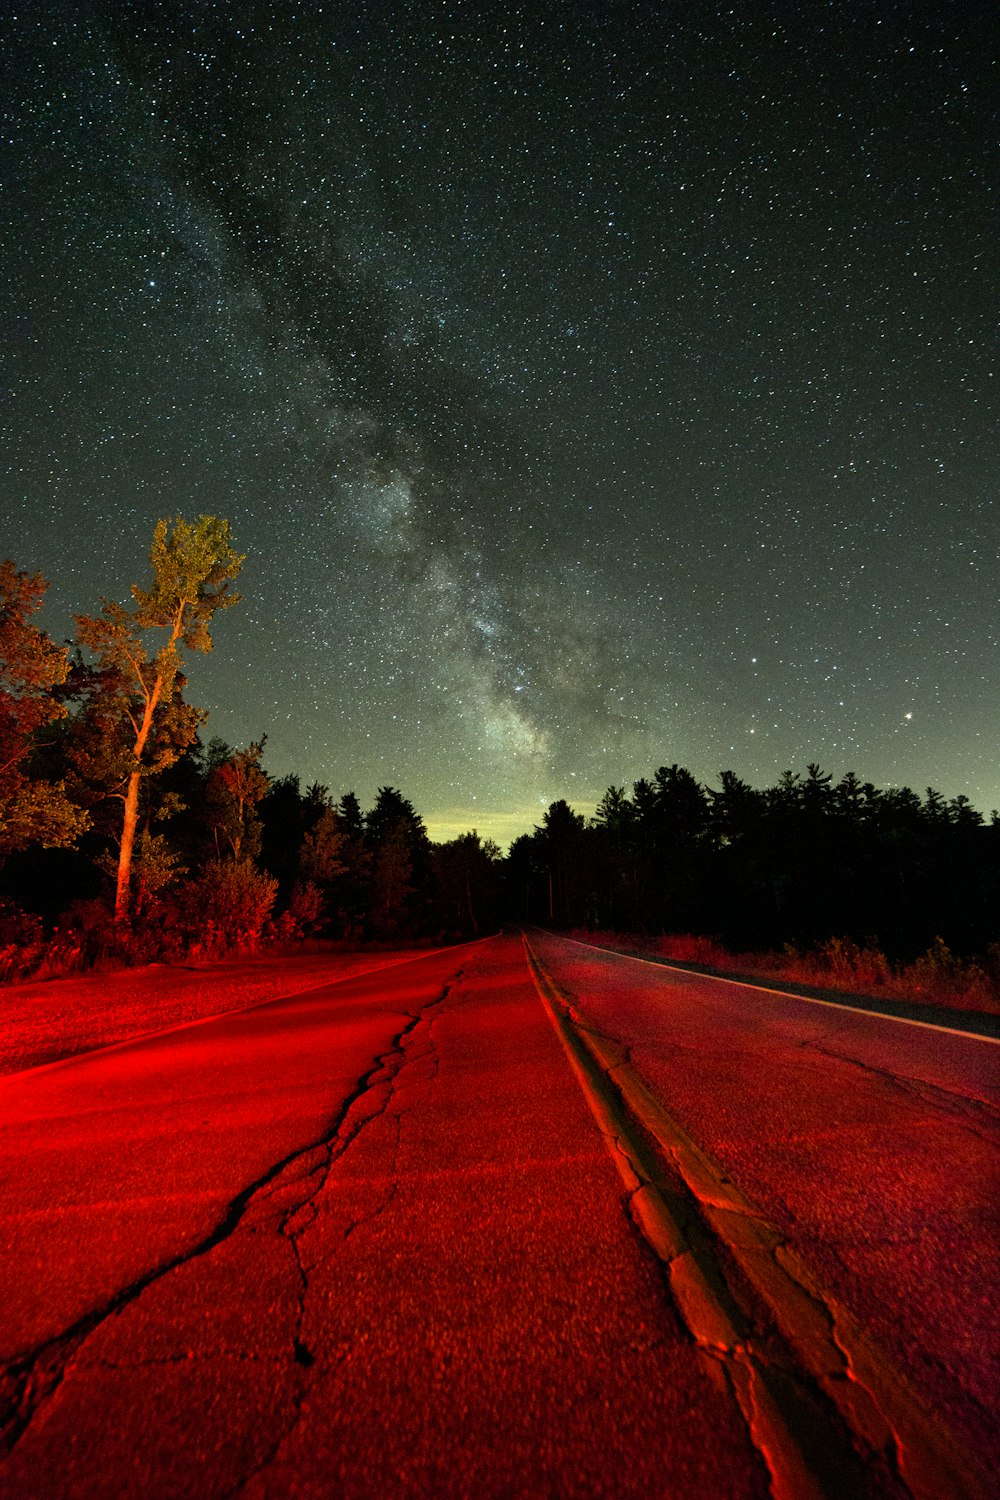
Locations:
column 404, row 1236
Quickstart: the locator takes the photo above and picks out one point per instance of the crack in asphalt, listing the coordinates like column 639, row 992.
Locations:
column 164, row 1361
column 777, row 1396
column 431, row 1055
column 949, row 1101
column 810, row 1441
column 853, row 1437
column 391, row 1065
column 730, row 1336
column 660, row 1215
column 28, row 1382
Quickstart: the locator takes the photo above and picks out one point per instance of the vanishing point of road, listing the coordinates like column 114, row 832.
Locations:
column 515, row 1218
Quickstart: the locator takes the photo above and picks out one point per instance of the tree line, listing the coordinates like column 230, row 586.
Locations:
column 132, row 836
column 127, row 833
column 798, row 862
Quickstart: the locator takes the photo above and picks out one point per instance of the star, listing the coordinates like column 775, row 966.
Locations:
column 545, row 417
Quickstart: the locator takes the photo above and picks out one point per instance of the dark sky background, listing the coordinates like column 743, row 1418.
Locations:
column 592, row 387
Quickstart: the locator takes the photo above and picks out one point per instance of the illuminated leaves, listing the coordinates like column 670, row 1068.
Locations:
column 136, row 689
column 31, row 666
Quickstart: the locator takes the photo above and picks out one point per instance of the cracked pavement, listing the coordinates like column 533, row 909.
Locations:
column 872, row 1146
column 366, row 1240
column 361, row 1241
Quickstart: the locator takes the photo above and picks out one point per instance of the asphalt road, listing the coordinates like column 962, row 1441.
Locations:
column 873, row 1144
column 378, row 1239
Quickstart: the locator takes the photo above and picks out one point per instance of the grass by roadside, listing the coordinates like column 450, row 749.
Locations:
column 936, row 979
column 43, row 1020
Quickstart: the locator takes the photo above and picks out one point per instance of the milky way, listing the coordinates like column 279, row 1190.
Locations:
column 592, row 387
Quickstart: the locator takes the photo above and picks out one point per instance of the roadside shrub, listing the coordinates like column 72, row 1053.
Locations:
column 940, row 974
column 21, row 941
column 302, row 916
column 87, row 937
column 844, row 962
column 936, row 978
column 689, row 948
column 226, row 906
column 991, row 964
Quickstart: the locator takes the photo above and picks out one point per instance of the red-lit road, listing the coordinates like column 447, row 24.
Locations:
column 401, row 1237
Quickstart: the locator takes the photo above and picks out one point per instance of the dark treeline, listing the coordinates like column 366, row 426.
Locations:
column 797, row 862
column 226, row 854
column 124, row 834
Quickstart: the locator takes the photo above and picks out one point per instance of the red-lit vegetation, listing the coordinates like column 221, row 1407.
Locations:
column 130, row 703
column 124, row 839
column 839, row 965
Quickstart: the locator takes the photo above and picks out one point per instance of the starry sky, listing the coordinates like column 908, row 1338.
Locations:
column 591, row 386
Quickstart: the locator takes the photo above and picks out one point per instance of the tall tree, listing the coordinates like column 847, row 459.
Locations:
column 400, row 853
column 32, row 810
column 350, row 814
column 351, row 891
column 193, row 567
column 560, row 838
column 615, row 812
column 467, row 870
column 324, row 849
column 235, row 787
column 392, row 881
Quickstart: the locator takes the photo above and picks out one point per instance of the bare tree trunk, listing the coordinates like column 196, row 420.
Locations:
column 128, row 842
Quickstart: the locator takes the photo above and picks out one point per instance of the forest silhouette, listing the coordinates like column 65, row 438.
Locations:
column 223, row 856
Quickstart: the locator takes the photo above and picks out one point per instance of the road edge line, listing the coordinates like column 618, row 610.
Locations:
column 746, row 984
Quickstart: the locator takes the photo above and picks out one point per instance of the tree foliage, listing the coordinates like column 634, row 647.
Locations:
column 140, row 720
column 32, row 809
column 399, row 850
column 228, row 903
column 797, row 861
column 105, row 747
column 467, row 876
column 237, row 784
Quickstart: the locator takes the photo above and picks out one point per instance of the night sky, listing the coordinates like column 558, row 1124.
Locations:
column 592, row 387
